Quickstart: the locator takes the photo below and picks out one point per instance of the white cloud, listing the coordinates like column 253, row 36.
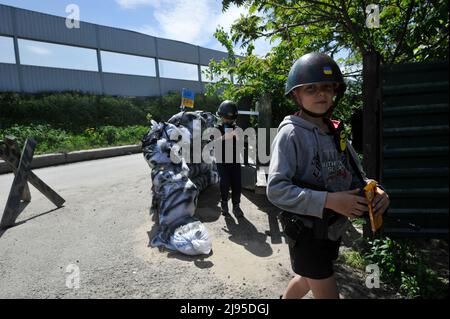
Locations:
column 191, row 21
column 186, row 20
column 227, row 18
column 132, row 4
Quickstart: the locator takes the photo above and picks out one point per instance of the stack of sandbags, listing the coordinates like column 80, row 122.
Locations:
column 176, row 185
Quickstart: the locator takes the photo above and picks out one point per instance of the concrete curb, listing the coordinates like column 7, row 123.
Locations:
column 78, row 156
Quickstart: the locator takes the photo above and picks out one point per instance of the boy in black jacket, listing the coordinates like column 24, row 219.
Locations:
column 229, row 170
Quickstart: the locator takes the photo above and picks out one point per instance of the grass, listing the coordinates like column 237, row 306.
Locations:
column 415, row 268
column 353, row 259
column 54, row 140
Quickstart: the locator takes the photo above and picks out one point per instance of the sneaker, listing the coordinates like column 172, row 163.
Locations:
column 224, row 207
column 237, row 211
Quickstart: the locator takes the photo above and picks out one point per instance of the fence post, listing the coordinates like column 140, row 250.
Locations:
column 371, row 120
column 264, row 107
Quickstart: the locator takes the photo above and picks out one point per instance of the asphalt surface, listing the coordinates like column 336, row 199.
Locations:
column 97, row 245
column 103, row 232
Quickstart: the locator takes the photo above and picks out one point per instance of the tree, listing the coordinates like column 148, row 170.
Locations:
column 409, row 31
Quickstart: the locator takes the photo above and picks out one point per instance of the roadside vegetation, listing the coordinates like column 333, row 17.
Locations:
column 416, row 268
column 71, row 121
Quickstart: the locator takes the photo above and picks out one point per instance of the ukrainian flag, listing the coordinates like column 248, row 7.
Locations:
column 327, row 70
column 187, row 98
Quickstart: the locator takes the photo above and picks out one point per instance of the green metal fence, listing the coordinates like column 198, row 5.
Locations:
column 413, row 123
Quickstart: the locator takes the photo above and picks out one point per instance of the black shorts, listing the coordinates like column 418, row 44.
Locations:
column 313, row 258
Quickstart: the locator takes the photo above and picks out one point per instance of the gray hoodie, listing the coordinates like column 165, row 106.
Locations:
column 303, row 150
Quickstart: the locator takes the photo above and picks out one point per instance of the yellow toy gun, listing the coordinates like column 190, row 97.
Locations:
column 370, row 190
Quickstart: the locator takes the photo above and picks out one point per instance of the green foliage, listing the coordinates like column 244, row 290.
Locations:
column 69, row 121
column 359, row 222
column 70, row 110
column 353, row 259
column 169, row 105
column 403, row 266
column 55, row 140
column 389, row 256
column 73, row 111
column 410, row 31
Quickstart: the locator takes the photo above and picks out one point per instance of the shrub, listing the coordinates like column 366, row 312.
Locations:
column 75, row 111
column 402, row 265
column 51, row 140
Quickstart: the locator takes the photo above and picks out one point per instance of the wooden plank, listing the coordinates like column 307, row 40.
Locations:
column 46, row 190
column 12, row 209
column 371, row 121
column 371, row 127
column 13, row 160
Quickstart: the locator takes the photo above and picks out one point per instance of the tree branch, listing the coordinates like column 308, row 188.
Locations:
column 445, row 36
column 357, row 72
column 403, row 33
column 351, row 28
column 281, row 29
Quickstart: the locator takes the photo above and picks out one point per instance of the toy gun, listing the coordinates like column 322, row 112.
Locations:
column 369, row 191
column 376, row 220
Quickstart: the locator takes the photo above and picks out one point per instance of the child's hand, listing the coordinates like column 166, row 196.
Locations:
column 381, row 201
column 348, row 203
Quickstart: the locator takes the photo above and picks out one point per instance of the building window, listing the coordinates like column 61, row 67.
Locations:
column 127, row 64
column 57, row 55
column 7, row 50
column 178, row 70
column 214, row 78
column 205, row 77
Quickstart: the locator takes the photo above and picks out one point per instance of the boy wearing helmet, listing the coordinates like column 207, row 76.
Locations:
column 228, row 167
column 311, row 178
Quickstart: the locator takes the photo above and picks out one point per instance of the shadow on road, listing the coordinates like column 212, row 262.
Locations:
column 263, row 205
column 245, row 233
column 3, row 230
column 198, row 260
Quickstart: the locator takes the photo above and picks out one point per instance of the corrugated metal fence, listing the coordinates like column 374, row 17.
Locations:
column 409, row 139
column 415, row 146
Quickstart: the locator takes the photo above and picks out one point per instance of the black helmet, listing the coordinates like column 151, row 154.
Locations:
column 228, row 109
column 315, row 68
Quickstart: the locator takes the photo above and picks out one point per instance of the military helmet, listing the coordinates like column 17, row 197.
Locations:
column 228, row 109
column 315, row 67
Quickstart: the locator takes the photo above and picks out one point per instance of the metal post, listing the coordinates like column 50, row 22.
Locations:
column 16, row 50
column 157, row 67
column 99, row 59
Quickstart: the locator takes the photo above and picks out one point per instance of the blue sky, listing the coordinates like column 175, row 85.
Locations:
column 192, row 21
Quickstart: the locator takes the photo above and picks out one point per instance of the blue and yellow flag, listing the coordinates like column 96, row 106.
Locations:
column 187, row 98
column 327, row 70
